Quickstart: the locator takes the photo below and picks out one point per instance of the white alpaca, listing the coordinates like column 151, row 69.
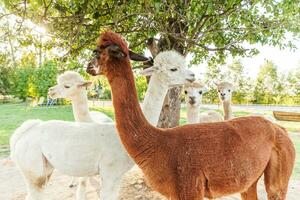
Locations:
column 72, row 86
column 193, row 98
column 166, row 75
column 225, row 90
column 82, row 149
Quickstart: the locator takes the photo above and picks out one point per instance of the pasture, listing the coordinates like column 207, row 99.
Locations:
column 13, row 114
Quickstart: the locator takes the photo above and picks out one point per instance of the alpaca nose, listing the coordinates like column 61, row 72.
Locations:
column 191, row 78
column 223, row 94
column 192, row 100
column 90, row 69
column 192, row 97
column 50, row 90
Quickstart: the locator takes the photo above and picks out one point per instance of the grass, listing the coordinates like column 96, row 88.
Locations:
column 12, row 116
column 296, row 172
column 290, row 126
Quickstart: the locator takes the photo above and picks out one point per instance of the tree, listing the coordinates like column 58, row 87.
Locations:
column 236, row 75
column 5, row 72
column 209, row 29
column 213, row 76
column 293, row 83
column 44, row 77
column 267, row 85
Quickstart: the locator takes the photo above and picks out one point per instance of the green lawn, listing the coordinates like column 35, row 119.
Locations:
column 12, row 116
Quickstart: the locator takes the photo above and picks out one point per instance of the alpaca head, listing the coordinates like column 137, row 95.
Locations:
column 69, row 85
column 111, row 55
column 225, row 90
column 170, row 68
column 194, row 93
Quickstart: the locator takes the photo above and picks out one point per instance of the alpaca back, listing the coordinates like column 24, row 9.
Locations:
column 210, row 116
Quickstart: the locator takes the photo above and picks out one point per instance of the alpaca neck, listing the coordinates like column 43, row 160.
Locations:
column 133, row 128
column 192, row 113
column 227, row 110
column 80, row 108
column 154, row 99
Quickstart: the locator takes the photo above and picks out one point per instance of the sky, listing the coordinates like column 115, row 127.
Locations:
column 285, row 60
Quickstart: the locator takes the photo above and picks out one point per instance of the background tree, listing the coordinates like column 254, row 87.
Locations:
column 210, row 29
column 267, row 83
column 213, row 76
column 236, row 75
column 293, row 83
column 5, row 72
column 44, row 77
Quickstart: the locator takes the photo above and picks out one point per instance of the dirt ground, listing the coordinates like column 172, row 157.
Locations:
column 12, row 187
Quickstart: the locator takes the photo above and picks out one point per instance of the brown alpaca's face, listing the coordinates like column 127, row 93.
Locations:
column 104, row 54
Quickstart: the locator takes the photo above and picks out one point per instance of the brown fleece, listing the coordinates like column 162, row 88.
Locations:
column 192, row 161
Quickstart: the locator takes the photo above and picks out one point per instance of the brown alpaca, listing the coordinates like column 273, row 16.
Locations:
column 192, row 161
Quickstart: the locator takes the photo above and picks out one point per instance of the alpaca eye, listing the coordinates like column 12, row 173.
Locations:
column 219, row 91
column 185, row 92
column 66, row 86
column 174, row 69
column 228, row 90
column 200, row 92
column 96, row 54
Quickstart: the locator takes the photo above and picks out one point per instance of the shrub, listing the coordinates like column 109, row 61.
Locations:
column 44, row 77
column 141, row 86
column 5, row 85
column 21, row 80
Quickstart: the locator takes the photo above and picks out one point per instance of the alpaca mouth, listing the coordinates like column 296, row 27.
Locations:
column 51, row 95
column 223, row 98
column 190, row 80
column 192, row 102
column 91, row 71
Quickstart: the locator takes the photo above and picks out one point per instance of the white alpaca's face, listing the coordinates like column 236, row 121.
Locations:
column 177, row 75
column 193, row 95
column 70, row 85
column 225, row 92
column 171, row 69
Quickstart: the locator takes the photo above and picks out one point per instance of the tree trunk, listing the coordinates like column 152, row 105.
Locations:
column 170, row 113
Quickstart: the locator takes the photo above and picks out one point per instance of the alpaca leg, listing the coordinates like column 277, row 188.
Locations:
column 35, row 169
column 277, row 174
column 72, row 182
column 110, row 188
column 110, row 181
column 80, row 192
column 251, row 193
column 35, row 186
column 96, row 184
column 35, row 192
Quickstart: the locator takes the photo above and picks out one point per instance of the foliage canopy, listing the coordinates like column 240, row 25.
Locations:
column 210, row 29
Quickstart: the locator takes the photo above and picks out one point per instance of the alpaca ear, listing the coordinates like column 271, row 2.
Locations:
column 85, row 84
column 115, row 51
column 137, row 57
column 148, row 71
